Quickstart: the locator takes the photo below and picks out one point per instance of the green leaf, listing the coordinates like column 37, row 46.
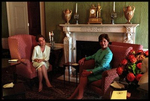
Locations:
column 138, row 71
column 133, row 68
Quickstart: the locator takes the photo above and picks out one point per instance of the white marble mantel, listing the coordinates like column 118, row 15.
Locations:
column 119, row 32
column 129, row 30
column 118, row 28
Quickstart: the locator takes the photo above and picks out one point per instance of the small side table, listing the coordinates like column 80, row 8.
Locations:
column 72, row 65
column 11, row 93
column 9, row 68
column 55, row 57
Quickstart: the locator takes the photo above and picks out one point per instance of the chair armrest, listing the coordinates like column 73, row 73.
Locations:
column 102, row 85
column 110, row 72
column 107, row 78
column 24, row 61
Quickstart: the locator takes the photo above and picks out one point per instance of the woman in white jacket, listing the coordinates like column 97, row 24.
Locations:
column 40, row 59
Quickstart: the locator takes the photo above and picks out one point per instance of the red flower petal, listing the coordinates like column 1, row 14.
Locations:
column 124, row 62
column 130, row 77
column 119, row 70
column 139, row 65
column 138, row 76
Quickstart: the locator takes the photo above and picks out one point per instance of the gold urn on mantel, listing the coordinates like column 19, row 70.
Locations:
column 129, row 13
column 67, row 15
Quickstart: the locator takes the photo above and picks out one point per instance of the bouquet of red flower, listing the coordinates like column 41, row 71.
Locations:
column 130, row 67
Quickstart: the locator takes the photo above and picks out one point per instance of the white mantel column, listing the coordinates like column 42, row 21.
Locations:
column 68, row 47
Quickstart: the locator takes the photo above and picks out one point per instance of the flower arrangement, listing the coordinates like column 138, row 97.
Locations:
column 130, row 67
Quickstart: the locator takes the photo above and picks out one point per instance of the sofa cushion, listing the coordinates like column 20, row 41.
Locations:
column 119, row 53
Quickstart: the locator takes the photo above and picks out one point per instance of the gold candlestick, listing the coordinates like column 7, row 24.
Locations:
column 76, row 17
column 113, row 16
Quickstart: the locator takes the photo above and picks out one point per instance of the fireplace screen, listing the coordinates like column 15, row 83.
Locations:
column 86, row 48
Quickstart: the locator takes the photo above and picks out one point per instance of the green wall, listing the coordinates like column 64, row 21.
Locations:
column 54, row 17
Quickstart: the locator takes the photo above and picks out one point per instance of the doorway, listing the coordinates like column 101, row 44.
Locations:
column 34, row 18
column 25, row 18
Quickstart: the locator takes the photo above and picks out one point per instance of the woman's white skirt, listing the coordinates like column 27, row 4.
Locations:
column 38, row 65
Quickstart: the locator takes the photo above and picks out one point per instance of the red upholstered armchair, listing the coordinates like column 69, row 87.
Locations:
column 119, row 50
column 21, row 47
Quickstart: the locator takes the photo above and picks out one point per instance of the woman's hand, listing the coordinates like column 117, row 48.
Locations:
column 81, row 61
column 39, row 60
column 36, row 60
column 86, row 73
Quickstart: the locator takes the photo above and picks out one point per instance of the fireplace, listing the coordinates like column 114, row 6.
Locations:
column 86, row 48
column 78, row 33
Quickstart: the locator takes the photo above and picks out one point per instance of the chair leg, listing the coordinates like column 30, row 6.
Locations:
column 50, row 75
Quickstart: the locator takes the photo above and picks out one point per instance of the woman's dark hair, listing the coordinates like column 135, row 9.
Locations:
column 103, row 36
column 38, row 36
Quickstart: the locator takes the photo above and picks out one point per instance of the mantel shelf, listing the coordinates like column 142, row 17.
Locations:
column 104, row 28
column 99, row 25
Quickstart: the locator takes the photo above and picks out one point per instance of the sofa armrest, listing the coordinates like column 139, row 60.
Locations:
column 110, row 72
column 102, row 85
column 107, row 78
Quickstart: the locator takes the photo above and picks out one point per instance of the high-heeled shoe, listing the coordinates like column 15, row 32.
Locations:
column 40, row 90
column 51, row 86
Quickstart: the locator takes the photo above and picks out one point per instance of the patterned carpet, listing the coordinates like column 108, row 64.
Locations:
column 59, row 92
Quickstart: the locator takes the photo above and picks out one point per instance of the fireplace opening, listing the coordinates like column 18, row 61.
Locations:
column 86, row 48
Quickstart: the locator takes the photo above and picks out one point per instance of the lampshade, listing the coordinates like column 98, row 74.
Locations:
column 144, row 69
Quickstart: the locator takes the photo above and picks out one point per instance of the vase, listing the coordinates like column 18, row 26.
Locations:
column 67, row 15
column 129, row 13
column 131, row 86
